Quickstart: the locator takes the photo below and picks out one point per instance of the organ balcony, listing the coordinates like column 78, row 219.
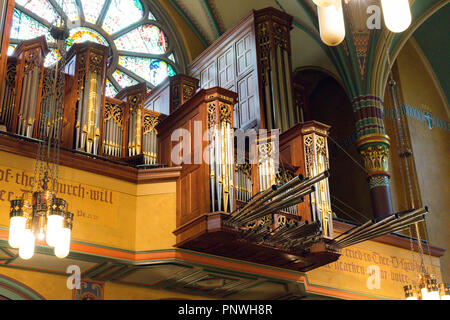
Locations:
column 252, row 177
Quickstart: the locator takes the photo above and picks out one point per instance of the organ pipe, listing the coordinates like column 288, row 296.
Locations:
column 90, row 67
column 221, row 155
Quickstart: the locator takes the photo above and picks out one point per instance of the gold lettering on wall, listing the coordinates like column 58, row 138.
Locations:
column 374, row 269
column 88, row 203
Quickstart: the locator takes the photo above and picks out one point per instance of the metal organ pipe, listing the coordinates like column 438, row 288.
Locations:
column 8, row 97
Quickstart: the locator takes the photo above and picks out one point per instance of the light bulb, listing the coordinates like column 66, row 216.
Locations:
column 16, row 231
column 324, row 3
column 397, row 14
column 434, row 295
column 331, row 22
column 26, row 250
column 424, row 293
column 54, row 227
column 62, row 248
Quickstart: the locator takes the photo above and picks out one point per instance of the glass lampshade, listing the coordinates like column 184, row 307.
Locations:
column 17, row 223
column 324, row 3
column 444, row 291
column 397, row 14
column 331, row 22
column 54, row 227
column 55, row 220
column 26, row 250
column 16, row 231
column 410, row 292
column 62, row 248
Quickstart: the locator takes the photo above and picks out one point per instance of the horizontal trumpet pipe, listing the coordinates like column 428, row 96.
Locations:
column 370, row 227
column 382, row 232
column 392, row 220
column 354, row 229
column 388, row 229
column 269, row 192
column 253, row 202
column 276, row 206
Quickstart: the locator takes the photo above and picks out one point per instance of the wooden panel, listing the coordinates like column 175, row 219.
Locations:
column 234, row 55
column 215, row 238
column 225, row 68
column 208, row 76
column 248, row 108
column 244, row 53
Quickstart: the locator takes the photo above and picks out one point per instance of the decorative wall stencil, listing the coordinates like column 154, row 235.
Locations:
column 90, row 290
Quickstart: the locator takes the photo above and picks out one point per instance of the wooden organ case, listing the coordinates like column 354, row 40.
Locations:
column 264, row 209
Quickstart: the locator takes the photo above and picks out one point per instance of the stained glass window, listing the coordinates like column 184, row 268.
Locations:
column 145, row 39
column 70, row 9
column 51, row 58
column 24, row 27
column 81, row 34
column 152, row 70
column 121, row 14
column 123, row 79
column 110, row 90
column 40, row 7
column 92, row 9
column 128, row 27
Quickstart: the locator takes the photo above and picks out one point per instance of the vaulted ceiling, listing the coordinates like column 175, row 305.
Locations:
column 209, row 19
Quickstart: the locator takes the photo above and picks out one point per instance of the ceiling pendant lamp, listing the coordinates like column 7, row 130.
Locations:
column 331, row 23
column 397, row 14
column 39, row 214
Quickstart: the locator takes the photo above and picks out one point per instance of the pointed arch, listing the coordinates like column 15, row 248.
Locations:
column 15, row 290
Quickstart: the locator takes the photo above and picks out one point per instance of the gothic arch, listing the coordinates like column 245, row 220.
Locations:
column 391, row 45
column 14, row 290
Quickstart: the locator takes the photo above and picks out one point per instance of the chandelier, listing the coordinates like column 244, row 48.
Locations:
column 396, row 13
column 427, row 288
column 39, row 213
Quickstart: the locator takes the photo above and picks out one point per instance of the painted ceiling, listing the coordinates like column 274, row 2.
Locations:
column 433, row 38
column 211, row 18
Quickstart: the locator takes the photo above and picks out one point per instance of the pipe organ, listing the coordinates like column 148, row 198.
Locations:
column 90, row 68
column 113, row 128
column 254, row 60
column 221, row 155
column 272, row 208
column 150, row 137
column 243, row 181
column 316, row 154
column 274, row 61
column 140, row 138
column 30, row 56
column 8, row 96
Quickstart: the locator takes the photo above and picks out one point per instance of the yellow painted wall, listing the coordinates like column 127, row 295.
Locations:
column 360, row 265
column 431, row 149
column 54, row 287
column 135, row 218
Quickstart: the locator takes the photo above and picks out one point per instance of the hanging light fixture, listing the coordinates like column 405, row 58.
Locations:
column 331, row 23
column 39, row 213
column 323, row 3
column 427, row 288
column 396, row 13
